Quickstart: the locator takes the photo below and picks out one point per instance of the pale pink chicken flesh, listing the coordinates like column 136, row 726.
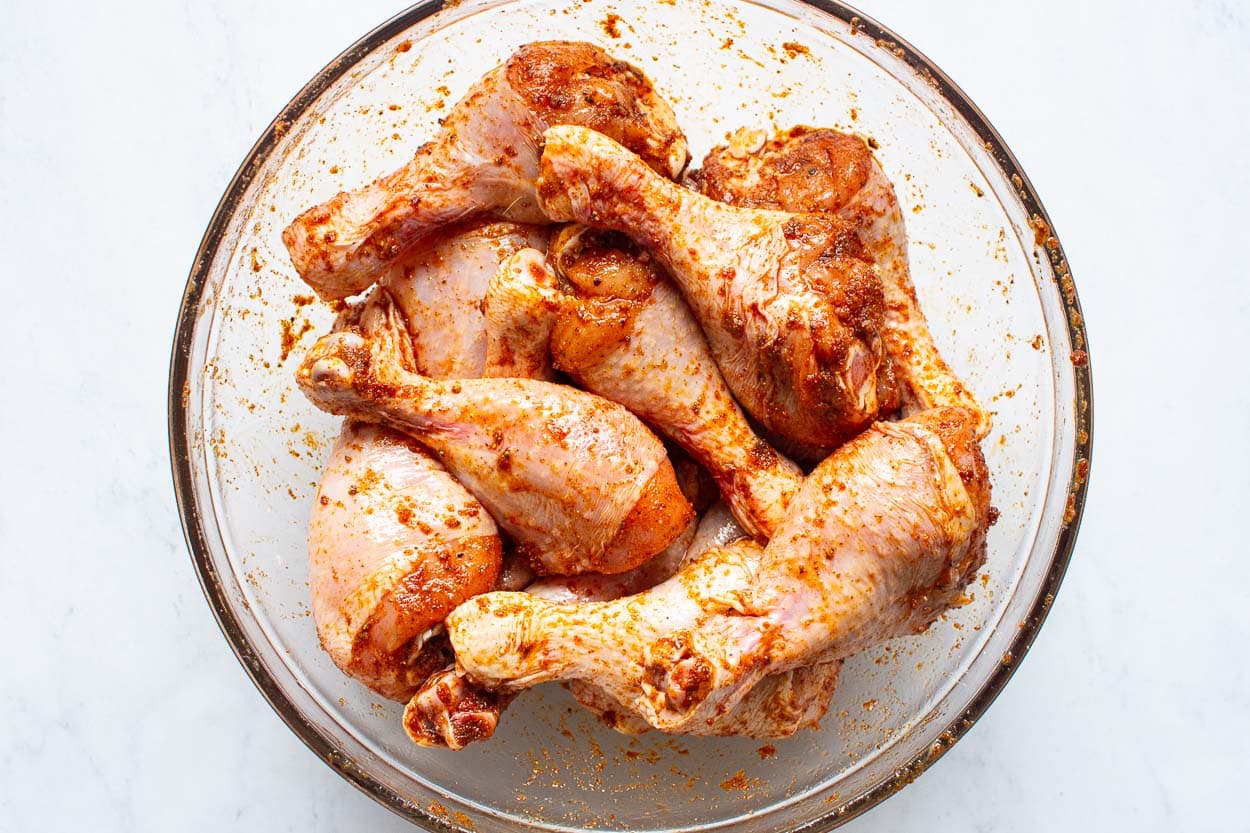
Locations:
column 394, row 543
column 520, row 307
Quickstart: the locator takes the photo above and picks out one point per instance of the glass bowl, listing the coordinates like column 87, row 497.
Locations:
column 247, row 448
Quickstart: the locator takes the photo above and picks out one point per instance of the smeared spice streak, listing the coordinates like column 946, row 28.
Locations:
column 1041, row 230
column 291, row 335
column 611, row 25
column 739, row 782
column 794, row 50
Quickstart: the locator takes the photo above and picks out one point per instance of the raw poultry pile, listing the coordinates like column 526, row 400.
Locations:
column 581, row 393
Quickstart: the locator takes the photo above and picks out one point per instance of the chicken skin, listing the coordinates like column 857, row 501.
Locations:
column 808, row 169
column 792, row 314
column 775, row 707
column 577, row 482
column 627, row 335
column 484, row 161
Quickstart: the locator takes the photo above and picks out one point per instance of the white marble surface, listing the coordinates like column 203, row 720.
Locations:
column 121, row 707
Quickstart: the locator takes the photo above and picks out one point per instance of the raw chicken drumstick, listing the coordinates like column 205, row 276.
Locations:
column 793, row 316
column 449, row 711
column 628, row 336
column 394, row 544
column 823, row 170
column 578, row 482
column 484, row 160
column 882, row 538
column 380, row 573
column 807, row 169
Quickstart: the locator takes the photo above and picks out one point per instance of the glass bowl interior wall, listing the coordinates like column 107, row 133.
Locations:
column 248, row 447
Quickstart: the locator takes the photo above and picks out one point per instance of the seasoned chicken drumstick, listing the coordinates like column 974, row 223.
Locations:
column 631, row 338
column 807, row 169
column 627, row 335
column 792, row 315
column 577, row 481
column 394, row 544
column 450, row 712
column 484, row 160
column 882, row 538
column 378, row 550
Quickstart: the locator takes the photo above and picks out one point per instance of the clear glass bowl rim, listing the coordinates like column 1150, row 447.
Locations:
column 193, row 522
